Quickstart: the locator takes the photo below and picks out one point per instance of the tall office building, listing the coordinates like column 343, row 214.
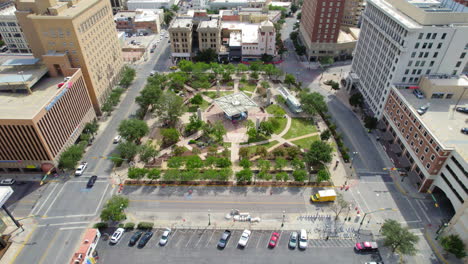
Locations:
column 320, row 30
column 10, row 30
column 79, row 32
column 401, row 41
column 352, row 13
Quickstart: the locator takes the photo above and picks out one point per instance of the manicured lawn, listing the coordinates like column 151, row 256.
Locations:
column 247, row 87
column 193, row 108
column 282, row 121
column 212, row 94
column 300, row 127
column 252, row 149
column 305, row 142
column 276, row 110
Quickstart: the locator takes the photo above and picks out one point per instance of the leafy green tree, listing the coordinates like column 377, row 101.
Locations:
column 197, row 100
column 175, row 162
column 178, row 80
column 282, row 176
column 280, row 163
column 255, row 66
column 356, row 100
column 175, row 8
column 299, row 175
column 245, row 163
column 215, row 131
column 454, row 244
column 170, row 108
column 91, row 127
column 370, row 122
column 223, row 162
column 293, row 152
column 323, row 175
column 293, row 8
column 244, row 152
column 299, row 16
column 266, row 128
column 128, row 150
column 313, row 103
column 70, row 157
column 133, row 129
column 170, row 136
column 208, row 55
column 254, row 75
column 194, row 124
column 264, row 175
column 114, row 209
column 128, row 74
column 399, row 238
column 325, row 135
column 137, row 173
column 153, row 174
column 107, row 107
column 262, row 151
column 241, row 68
column 186, row 66
column 193, row 162
column 244, row 175
column 265, row 84
column 297, row 163
column 264, row 165
column 319, row 153
column 326, row 60
column 266, row 58
column 168, row 16
column 148, row 152
column 289, row 79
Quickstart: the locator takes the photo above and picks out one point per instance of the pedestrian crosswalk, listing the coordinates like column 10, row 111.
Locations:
column 330, row 243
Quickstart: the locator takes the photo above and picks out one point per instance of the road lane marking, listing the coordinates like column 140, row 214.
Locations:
column 102, row 198
column 217, row 202
column 45, row 201
column 55, row 199
column 75, row 227
column 418, row 202
column 44, row 255
column 66, row 216
column 414, row 209
column 26, row 240
column 59, row 224
column 214, row 231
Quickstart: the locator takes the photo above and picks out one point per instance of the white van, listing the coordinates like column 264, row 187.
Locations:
column 303, row 239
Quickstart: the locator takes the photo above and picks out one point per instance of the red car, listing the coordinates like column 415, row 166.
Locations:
column 366, row 246
column 273, row 240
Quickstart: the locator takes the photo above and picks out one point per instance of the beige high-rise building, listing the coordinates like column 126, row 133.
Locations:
column 209, row 35
column 80, row 32
column 352, row 13
column 181, row 39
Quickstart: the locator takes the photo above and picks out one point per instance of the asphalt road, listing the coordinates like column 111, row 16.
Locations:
column 62, row 210
column 200, row 246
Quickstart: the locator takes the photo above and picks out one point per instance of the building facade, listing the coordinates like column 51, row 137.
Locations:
column 180, row 34
column 139, row 21
column 11, row 31
column 209, row 35
column 85, row 31
column 399, row 42
column 352, row 13
column 118, row 5
column 228, row 4
column 150, row 4
column 430, row 144
column 38, row 125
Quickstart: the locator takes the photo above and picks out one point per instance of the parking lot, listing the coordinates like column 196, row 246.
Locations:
column 200, row 246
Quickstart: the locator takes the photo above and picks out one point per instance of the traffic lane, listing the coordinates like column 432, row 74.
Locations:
column 74, row 198
column 24, row 197
column 187, row 245
column 355, row 137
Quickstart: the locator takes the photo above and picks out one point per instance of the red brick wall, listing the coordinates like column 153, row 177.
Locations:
column 319, row 12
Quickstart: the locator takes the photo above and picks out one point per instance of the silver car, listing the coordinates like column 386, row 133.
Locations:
column 165, row 237
column 293, row 240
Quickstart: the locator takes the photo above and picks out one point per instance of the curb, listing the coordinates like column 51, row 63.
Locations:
column 434, row 247
column 228, row 185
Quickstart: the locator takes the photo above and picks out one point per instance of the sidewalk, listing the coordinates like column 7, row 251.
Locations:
column 19, row 238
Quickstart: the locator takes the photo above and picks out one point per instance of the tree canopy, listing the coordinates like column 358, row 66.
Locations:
column 169, row 108
column 133, row 129
column 319, row 153
column 313, row 103
column 399, row 238
column 114, row 209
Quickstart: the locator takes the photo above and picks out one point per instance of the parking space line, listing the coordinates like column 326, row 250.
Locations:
column 169, row 240
column 260, row 239
column 180, row 238
column 200, row 238
column 214, row 231
column 189, row 240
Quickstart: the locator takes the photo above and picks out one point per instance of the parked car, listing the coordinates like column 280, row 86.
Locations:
column 422, row 110
column 135, row 238
column 173, row 68
column 146, row 237
column 273, row 240
column 462, row 109
column 91, row 181
column 418, row 94
column 8, row 182
column 293, row 240
column 117, row 139
column 224, row 239
column 4, row 48
column 366, row 246
column 464, row 130
column 152, row 73
column 244, row 238
column 117, row 235
column 165, row 237
column 303, row 239
column 79, row 171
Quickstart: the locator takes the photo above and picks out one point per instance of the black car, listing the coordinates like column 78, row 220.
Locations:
column 462, row 109
column 464, row 130
column 135, row 238
column 146, row 237
column 91, row 181
column 224, row 239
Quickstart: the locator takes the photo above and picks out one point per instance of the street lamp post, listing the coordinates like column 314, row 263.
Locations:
column 440, row 230
column 209, row 217
column 282, row 223
column 365, row 214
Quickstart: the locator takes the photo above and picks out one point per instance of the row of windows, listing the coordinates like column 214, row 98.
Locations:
column 451, row 188
column 92, row 20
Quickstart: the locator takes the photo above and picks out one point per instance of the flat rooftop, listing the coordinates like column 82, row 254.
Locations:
column 435, row 6
column 8, row 11
column 182, row 23
column 21, row 105
column 234, row 104
column 441, row 119
column 213, row 23
column 399, row 16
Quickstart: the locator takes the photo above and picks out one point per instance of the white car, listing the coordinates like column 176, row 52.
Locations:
column 117, row 235
column 165, row 237
column 303, row 239
column 244, row 238
column 8, row 182
column 79, row 171
column 117, row 139
column 152, row 73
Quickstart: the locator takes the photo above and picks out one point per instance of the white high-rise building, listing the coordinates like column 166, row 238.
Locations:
column 199, row 4
column 402, row 40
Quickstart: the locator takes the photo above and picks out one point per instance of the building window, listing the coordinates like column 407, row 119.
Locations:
column 421, row 142
column 444, row 35
column 435, row 54
column 422, row 157
column 432, row 157
column 431, row 64
column 420, row 35
column 426, row 149
column 437, row 149
column 458, row 64
column 417, row 45
column 462, row 55
column 417, row 150
column 431, row 141
column 428, row 165
column 449, row 96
